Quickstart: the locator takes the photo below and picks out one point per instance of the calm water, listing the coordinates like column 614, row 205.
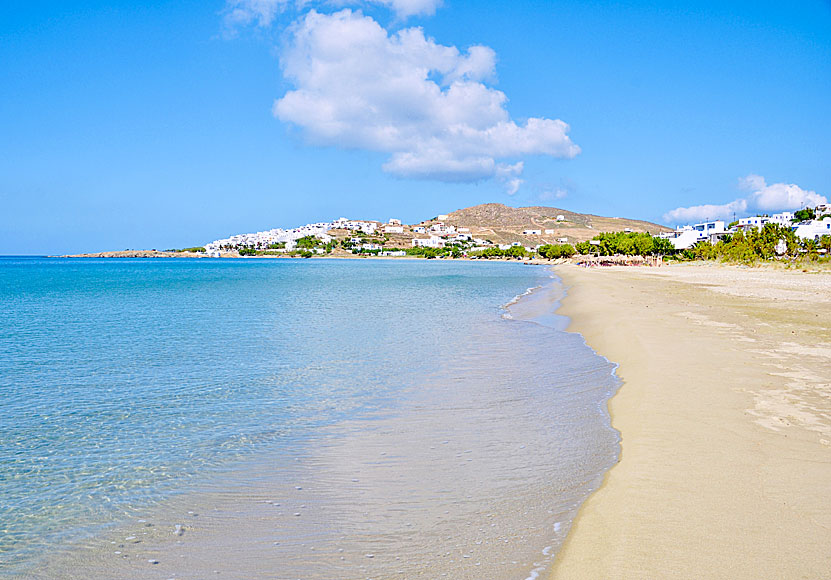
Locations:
column 127, row 385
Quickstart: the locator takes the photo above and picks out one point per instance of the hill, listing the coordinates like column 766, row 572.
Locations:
column 503, row 224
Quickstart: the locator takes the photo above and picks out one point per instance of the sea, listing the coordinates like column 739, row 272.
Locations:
column 281, row 418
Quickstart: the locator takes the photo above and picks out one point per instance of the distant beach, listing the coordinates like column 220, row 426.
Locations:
column 725, row 419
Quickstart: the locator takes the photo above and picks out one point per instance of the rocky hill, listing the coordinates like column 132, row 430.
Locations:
column 503, row 224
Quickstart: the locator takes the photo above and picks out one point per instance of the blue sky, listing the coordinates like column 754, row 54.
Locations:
column 175, row 123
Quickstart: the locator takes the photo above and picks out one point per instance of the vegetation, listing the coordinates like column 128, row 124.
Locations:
column 517, row 252
column 195, row 249
column 808, row 213
column 308, row 242
column 627, row 244
column 770, row 242
column 554, row 251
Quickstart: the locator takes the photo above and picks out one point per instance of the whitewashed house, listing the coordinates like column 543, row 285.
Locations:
column 687, row 236
column 431, row 242
column 419, row 230
column 531, row 232
column 784, row 219
column 813, row 229
column 756, row 221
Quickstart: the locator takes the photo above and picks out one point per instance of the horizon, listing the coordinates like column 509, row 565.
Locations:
column 182, row 122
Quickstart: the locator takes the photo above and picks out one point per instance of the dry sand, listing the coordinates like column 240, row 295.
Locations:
column 725, row 418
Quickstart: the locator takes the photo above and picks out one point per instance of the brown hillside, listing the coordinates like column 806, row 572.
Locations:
column 503, row 224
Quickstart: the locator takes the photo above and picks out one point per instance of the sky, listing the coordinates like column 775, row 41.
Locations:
column 173, row 123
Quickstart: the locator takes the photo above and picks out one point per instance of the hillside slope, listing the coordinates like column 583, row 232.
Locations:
column 503, row 224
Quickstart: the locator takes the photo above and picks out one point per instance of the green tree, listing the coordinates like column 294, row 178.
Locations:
column 807, row 213
column 309, row 242
column 555, row 251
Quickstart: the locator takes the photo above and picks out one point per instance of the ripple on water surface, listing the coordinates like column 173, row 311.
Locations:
column 283, row 434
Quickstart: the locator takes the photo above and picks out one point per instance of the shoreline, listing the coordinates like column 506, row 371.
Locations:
column 725, row 419
column 462, row 464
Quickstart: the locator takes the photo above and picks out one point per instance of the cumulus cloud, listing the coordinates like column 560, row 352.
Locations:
column 260, row 12
column 761, row 197
column 425, row 104
column 263, row 12
column 405, row 8
column 779, row 196
column 698, row 213
column 552, row 194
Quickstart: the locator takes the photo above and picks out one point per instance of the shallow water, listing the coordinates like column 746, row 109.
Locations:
column 313, row 419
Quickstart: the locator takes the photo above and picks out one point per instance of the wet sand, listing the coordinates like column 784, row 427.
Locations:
column 725, row 419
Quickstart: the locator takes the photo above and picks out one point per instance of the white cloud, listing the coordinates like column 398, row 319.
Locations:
column 556, row 193
column 752, row 182
column 405, row 8
column 761, row 197
column 263, row 12
column 698, row 213
column 779, row 196
column 425, row 104
column 509, row 176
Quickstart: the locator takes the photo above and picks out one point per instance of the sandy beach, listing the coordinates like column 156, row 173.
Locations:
column 725, row 419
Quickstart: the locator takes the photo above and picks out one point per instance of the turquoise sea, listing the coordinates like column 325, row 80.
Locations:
column 416, row 408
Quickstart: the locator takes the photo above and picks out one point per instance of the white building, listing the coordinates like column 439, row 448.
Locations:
column 531, row 232
column 419, row 230
column 394, row 222
column 442, row 229
column 442, row 217
column 393, row 229
column 431, row 242
column 756, row 221
column 688, row 236
column 562, row 240
column 813, row 229
column 561, row 218
column 784, row 219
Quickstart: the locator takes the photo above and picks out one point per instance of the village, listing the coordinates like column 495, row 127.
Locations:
column 806, row 225
column 437, row 237
column 368, row 237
